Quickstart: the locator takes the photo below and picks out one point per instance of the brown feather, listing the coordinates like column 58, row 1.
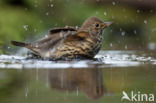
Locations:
column 56, row 30
column 21, row 44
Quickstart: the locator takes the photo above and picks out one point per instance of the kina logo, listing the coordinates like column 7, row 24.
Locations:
column 137, row 97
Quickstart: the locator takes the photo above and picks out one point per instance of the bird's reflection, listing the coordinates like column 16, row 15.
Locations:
column 89, row 81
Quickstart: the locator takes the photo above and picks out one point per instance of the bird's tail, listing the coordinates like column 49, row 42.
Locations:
column 21, row 44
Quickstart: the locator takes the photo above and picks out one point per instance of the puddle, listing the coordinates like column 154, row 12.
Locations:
column 86, row 81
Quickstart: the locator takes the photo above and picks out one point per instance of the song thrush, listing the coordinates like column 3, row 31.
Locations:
column 70, row 42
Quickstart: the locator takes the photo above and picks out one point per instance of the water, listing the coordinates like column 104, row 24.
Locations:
column 102, row 81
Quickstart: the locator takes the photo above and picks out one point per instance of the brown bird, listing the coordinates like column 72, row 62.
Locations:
column 69, row 42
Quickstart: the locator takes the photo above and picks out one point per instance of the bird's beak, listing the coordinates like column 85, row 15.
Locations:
column 107, row 24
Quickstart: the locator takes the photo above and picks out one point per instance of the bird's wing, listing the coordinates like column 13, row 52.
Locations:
column 54, row 35
column 78, row 36
column 50, row 41
column 56, row 30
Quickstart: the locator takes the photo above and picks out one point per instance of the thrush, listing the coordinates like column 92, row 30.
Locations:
column 69, row 42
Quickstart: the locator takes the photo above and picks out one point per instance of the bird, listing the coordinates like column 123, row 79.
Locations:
column 70, row 42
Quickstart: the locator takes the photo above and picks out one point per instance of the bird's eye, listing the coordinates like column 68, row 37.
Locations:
column 97, row 25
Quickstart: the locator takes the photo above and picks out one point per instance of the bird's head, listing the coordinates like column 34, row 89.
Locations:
column 95, row 25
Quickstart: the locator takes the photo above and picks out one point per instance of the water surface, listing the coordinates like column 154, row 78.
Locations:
column 102, row 81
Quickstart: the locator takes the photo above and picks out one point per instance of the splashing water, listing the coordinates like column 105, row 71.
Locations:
column 123, row 33
column 113, row 3
column 145, row 21
column 51, row 5
column 105, row 13
column 104, row 59
column 25, row 27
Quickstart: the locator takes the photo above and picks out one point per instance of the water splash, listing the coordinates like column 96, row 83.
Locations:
column 123, row 33
column 51, row 5
column 47, row 13
column 26, row 92
column 25, row 27
column 113, row 3
column 145, row 21
column 77, row 91
column 105, row 13
column 104, row 59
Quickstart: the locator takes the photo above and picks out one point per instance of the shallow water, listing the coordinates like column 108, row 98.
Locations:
column 102, row 81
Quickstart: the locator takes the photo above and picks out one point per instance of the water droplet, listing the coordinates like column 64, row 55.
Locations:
column 152, row 46
column 135, row 32
column 97, row 12
column 77, row 91
column 113, row 3
column 66, row 26
column 151, row 11
column 145, row 21
column 123, row 33
column 25, row 27
column 36, row 3
column 153, row 29
column 46, row 36
column 36, row 45
column 120, row 29
column 36, row 74
column 113, row 17
column 35, row 30
column 62, row 80
column 76, row 27
column 111, row 44
column 26, row 92
column 105, row 13
column 51, row 5
column 138, row 11
column 47, row 13
column 125, row 46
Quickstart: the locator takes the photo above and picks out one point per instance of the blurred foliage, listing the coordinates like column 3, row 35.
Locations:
column 23, row 19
